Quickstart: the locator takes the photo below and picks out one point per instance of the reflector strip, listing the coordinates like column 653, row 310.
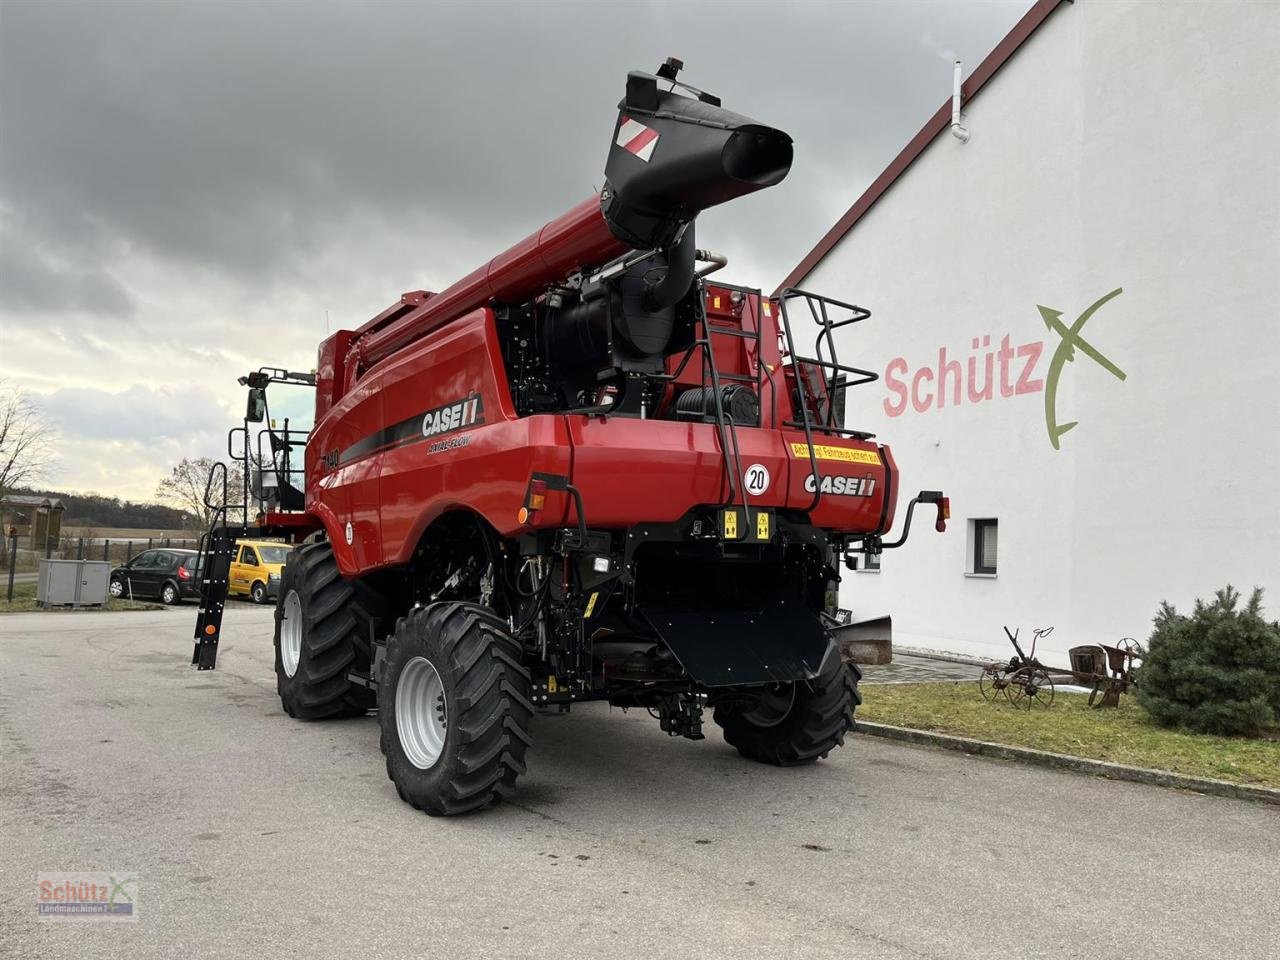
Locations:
column 636, row 138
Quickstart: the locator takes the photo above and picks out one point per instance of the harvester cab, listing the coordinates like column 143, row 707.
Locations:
column 585, row 471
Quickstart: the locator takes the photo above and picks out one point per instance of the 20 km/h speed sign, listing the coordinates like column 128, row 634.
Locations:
column 756, row 479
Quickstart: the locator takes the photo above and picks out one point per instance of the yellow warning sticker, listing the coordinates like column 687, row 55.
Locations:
column 762, row 525
column 827, row 452
column 591, row 605
column 551, row 685
column 731, row 524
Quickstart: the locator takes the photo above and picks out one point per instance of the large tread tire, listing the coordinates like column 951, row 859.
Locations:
column 820, row 715
column 487, row 705
column 336, row 614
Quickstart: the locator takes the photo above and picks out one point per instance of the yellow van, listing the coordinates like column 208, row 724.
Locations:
column 255, row 569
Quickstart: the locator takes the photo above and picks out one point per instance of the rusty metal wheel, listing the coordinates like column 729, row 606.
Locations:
column 1131, row 647
column 1033, row 689
column 990, row 683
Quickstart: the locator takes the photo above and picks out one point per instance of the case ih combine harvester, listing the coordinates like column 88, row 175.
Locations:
column 582, row 472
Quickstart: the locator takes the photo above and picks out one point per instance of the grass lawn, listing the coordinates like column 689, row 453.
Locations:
column 1070, row 726
column 24, row 601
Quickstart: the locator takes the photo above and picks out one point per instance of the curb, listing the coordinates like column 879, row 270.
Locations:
column 1060, row 761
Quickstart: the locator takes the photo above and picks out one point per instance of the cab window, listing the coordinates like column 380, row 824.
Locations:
column 248, row 557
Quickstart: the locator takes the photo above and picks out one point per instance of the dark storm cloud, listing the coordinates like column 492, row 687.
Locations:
column 31, row 282
column 188, row 190
column 247, row 136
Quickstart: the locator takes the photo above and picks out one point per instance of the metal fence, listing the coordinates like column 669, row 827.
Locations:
column 114, row 550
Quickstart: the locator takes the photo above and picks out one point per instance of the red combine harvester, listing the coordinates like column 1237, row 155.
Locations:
column 582, row 472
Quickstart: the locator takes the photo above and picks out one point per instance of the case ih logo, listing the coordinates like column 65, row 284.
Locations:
column 453, row 416
column 843, row 486
column 635, row 137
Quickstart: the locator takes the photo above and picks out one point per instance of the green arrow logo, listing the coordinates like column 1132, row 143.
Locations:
column 1065, row 353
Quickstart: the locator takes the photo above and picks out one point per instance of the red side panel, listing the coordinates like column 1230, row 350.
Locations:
column 854, row 478
column 429, row 431
column 329, row 364
column 343, row 490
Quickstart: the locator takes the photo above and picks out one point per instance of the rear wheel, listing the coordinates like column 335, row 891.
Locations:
column 322, row 634
column 169, row 594
column 454, row 708
column 794, row 723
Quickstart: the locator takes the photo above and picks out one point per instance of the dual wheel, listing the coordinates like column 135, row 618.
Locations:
column 453, row 698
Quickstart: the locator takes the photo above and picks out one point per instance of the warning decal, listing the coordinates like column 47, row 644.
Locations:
column 635, row 137
column 845, row 454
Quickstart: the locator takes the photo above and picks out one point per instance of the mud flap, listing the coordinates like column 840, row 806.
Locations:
column 721, row 648
column 868, row 641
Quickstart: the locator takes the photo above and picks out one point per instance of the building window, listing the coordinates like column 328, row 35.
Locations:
column 866, row 562
column 984, row 546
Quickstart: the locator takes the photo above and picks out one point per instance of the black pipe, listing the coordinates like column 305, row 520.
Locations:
column 670, row 290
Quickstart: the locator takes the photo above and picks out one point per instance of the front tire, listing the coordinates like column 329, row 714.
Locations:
column 116, row 588
column 258, row 592
column 322, row 634
column 798, row 722
column 454, row 708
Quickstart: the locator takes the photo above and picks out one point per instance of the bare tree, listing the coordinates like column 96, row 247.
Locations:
column 185, row 488
column 26, row 439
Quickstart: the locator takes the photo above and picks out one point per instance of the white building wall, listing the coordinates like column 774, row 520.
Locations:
column 1126, row 145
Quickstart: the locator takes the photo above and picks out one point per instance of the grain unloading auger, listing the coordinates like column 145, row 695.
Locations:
column 583, row 472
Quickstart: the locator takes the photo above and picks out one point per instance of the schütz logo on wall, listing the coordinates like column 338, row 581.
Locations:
column 1006, row 370
column 453, row 416
column 1066, row 353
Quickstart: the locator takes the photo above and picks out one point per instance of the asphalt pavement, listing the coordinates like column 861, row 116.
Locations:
column 248, row 834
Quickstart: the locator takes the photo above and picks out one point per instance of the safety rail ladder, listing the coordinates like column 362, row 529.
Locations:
column 218, row 544
column 825, row 398
column 217, row 548
column 716, row 379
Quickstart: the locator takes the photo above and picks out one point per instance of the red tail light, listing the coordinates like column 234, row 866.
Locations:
column 184, row 573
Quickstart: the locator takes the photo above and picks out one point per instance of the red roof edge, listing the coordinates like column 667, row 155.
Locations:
column 936, row 124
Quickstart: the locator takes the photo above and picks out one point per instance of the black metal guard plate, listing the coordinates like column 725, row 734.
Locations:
column 721, row 648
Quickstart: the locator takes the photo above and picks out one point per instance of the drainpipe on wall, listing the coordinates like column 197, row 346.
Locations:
column 957, row 129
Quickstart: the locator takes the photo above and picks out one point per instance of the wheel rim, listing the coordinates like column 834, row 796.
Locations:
column 773, row 706
column 420, row 713
column 257, row 593
column 987, row 685
column 170, row 595
column 291, row 633
column 117, row 588
column 1033, row 690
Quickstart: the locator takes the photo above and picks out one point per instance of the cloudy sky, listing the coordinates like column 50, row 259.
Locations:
column 191, row 190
